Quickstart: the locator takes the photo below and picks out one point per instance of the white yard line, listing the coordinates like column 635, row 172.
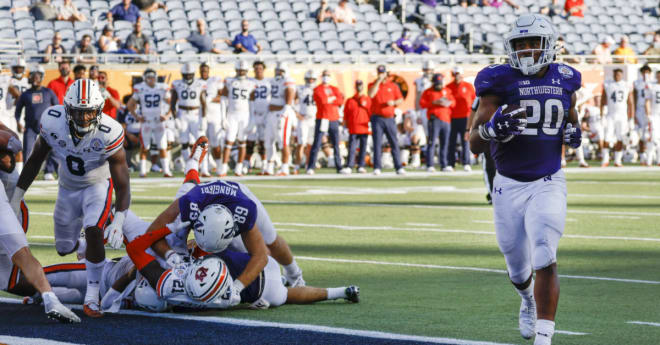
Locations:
column 423, row 224
column 654, row 324
column 7, row 339
column 467, row 268
column 293, row 326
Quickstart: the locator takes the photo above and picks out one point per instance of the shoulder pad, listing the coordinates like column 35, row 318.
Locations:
column 489, row 79
column 112, row 133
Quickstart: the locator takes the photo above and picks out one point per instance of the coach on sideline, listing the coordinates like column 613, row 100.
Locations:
column 385, row 96
column 438, row 102
column 328, row 100
column 356, row 118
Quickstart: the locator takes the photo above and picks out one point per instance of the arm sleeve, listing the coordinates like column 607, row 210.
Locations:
column 53, row 97
column 397, row 91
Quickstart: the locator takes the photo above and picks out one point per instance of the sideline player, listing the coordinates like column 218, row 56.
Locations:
column 88, row 145
column 306, row 119
column 153, row 99
column 18, row 84
column 280, row 119
column 188, row 97
column 640, row 90
column 529, row 190
column 19, row 269
column 619, row 101
column 653, row 109
column 239, row 92
column 258, row 112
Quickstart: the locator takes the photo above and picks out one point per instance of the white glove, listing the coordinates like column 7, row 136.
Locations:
column 236, row 288
column 113, row 234
column 14, row 145
column 173, row 259
column 16, row 202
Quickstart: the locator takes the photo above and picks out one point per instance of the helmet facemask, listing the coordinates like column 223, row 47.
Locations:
column 533, row 58
column 189, row 78
column 83, row 120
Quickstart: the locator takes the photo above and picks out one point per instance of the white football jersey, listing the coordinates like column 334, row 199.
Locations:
column 189, row 95
column 307, row 103
column 238, row 95
column 421, row 84
column 617, row 98
column 82, row 162
column 653, row 93
column 4, row 94
column 278, row 85
column 152, row 100
column 21, row 85
column 113, row 270
column 262, row 93
column 642, row 88
column 213, row 86
column 594, row 116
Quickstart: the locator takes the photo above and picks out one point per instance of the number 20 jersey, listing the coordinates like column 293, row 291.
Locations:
column 83, row 162
column 536, row 152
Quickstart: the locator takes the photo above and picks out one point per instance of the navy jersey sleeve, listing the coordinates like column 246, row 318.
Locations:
column 489, row 80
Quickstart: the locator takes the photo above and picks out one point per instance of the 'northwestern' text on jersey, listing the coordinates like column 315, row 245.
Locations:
column 537, row 151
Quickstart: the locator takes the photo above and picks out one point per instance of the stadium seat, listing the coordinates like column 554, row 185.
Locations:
column 272, row 25
column 291, row 25
column 315, row 45
column 23, row 24
column 26, row 34
column 279, row 46
column 297, row 46
column 268, row 15
column 293, row 35
column 275, row 35
column 311, row 35
column 346, row 36
column 334, row 45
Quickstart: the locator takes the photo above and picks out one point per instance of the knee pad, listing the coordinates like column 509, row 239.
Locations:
column 543, row 255
column 65, row 247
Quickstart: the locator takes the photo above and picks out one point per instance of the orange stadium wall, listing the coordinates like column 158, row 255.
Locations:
column 120, row 76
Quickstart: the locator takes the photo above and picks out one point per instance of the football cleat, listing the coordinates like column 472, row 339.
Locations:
column 294, row 280
column 309, row 172
column 49, row 177
column 527, row 319
column 467, row 168
column 55, row 310
column 430, row 170
column 618, row 165
column 376, row 172
column 604, row 165
column 448, row 169
column 353, row 294
column 168, row 175
column 362, row 170
column 199, row 148
column 584, row 165
column 345, row 171
column 143, row 175
column 401, row 171
column 92, row 309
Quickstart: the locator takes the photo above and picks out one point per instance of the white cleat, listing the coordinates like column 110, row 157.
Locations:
column 527, row 319
column 448, row 169
column 376, row 172
column 467, row 168
column 49, row 177
column 430, row 170
column 295, row 280
column 345, row 171
column 309, row 172
column 401, row 171
column 362, row 170
column 55, row 310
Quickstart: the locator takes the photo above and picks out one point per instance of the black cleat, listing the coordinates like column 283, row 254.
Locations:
column 353, row 294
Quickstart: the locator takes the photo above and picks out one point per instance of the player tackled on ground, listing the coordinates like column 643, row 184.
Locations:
column 529, row 190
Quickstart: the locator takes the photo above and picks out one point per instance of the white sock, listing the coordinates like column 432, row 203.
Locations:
column 165, row 162
column 292, row 268
column 192, row 164
column 336, row 293
column 545, row 329
column 606, row 155
column 205, row 166
column 224, row 169
column 528, row 293
column 19, row 167
column 49, row 298
column 617, row 157
column 285, row 167
column 94, row 272
column 579, row 154
column 239, row 168
column 143, row 166
column 68, row 295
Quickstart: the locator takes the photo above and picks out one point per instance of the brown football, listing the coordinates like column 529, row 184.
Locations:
column 511, row 107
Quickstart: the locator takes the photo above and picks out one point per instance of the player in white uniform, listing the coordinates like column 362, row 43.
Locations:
column 188, row 97
column 280, row 119
column 19, row 83
column 208, row 83
column 640, row 90
column 239, row 92
column 652, row 106
column 258, row 112
column 153, row 99
column 306, row 118
column 414, row 138
column 88, row 145
column 619, row 100
column 422, row 83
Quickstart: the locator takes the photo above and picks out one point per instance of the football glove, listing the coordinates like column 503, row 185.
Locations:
column 503, row 127
column 113, row 233
column 235, row 297
column 173, row 259
column 572, row 136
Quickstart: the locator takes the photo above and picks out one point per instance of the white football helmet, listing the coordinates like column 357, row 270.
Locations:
column 310, row 74
column 241, row 67
column 146, row 297
column 428, row 65
column 188, row 72
column 214, row 228
column 82, row 100
column 531, row 26
column 207, row 279
column 282, row 67
column 18, row 68
column 37, row 69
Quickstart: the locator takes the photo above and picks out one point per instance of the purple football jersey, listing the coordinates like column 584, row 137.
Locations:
column 536, row 152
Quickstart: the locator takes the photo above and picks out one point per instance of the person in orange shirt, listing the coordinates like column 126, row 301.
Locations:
column 438, row 102
column 464, row 95
column 624, row 51
column 356, row 118
column 61, row 84
column 328, row 100
column 574, row 8
column 385, row 97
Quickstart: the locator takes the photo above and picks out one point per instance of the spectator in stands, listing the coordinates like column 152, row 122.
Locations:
column 35, row 101
column 110, row 94
column 499, row 3
column 404, row 45
column 245, row 42
column 79, row 72
column 654, row 48
column 603, row 50
column 328, row 99
column 438, row 101
column 201, row 39
column 624, row 50
column 344, row 14
column 324, row 14
column 85, row 47
column 62, row 83
column 574, row 8
column 42, row 10
column 108, row 42
column 464, row 95
column 137, row 42
column 556, row 9
column 385, row 97
column 149, row 6
column 124, row 11
column 653, row 11
column 466, row 3
column 425, row 42
column 55, row 49
column 69, row 12
column 357, row 111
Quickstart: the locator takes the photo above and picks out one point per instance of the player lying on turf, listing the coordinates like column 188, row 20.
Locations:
column 19, row 269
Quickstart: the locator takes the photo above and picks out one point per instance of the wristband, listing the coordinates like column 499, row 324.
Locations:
column 238, row 285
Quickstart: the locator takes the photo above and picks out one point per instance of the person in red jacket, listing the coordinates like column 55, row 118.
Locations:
column 61, row 84
column 438, row 102
column 357, row 111
column 464, row 94
column 328, row 100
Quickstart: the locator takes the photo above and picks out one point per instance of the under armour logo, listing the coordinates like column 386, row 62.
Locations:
column 547, row 178
column 556, row 81
column 498, row 191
